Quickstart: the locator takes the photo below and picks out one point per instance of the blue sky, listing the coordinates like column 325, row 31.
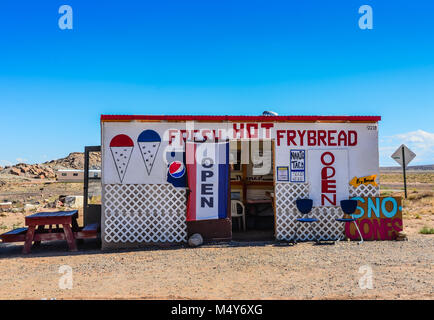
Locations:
column 211, row 57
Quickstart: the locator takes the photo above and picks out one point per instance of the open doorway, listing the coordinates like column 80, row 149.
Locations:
column 92, row 190
column 252, row 183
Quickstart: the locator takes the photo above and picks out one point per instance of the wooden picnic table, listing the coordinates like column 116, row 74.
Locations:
column 68, row 219
column 36, row 231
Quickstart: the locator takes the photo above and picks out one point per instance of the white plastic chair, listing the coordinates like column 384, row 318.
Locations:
column 240, row 216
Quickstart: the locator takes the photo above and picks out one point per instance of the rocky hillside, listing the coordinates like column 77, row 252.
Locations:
column 36, row 171
column 47, row 170
column 75, row 160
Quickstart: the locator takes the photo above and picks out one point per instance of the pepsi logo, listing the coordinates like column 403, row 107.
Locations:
column 176, row 169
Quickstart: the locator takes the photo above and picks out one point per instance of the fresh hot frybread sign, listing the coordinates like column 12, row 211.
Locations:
column 317, row 138
column 324, row 155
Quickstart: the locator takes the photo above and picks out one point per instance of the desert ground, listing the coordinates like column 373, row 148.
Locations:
column 235, row 270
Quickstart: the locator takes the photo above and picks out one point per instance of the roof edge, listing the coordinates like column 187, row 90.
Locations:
column 239, row 118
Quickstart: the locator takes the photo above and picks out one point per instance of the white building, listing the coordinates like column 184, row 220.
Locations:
column 150, row 162
column 74, row 175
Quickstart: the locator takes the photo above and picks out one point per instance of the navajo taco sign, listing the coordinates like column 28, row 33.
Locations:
column 297, row 165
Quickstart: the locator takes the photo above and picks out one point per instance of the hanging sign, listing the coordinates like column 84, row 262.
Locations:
column 208, row 180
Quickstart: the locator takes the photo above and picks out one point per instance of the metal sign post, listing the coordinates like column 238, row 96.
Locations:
column 403, row 156
column 403, row 171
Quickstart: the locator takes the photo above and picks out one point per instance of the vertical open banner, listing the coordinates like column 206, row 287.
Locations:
column 328, row 176
column 208, row 180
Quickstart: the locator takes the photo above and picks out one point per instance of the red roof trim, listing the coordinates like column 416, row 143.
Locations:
column 238, row 118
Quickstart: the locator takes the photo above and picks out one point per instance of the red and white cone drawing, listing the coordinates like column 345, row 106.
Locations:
column 121, row 147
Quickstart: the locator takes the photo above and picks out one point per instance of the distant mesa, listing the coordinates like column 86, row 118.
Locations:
column 47, row 170
column 427, row 167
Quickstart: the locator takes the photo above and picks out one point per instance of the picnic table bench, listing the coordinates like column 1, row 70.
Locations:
column 36, row 231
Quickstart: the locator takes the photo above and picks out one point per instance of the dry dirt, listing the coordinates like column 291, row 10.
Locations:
column 261, row 270
column 400, row 270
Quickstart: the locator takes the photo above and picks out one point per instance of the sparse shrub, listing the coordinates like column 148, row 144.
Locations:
column 421, row 195
column 386, row 193
column 426, row 230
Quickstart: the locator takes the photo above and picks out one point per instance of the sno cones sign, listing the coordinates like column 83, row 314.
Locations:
column 121, row 147
column 378, row 218
column 355, row 182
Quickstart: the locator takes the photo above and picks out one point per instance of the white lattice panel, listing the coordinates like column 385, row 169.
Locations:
column 365, row 191
column 287, row 193
column 287, row 228
column 147, row 213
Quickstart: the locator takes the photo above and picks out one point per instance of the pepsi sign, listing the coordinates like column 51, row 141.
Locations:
column 176, row 169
